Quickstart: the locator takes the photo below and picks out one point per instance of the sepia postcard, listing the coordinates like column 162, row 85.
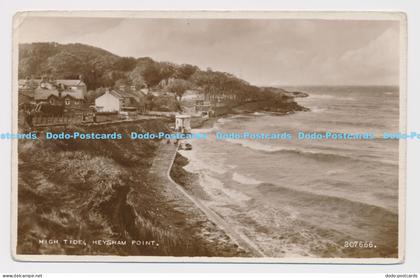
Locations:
column 255, row 137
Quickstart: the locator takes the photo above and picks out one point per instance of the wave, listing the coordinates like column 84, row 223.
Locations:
column 351, row 122
column 338, row 97
column 316, row 109
column 315, row 154
column 318, row 155
column 218, row 190
column 196, row 165
column 239, row 116
column 244, row 180
column 223, row 120
column 203, row 130
column 318, row 202
column 321, row 96
column 255, row 145
column 336, row 218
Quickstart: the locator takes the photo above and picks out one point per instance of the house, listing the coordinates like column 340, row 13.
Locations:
column 28, row 84
column 194, row 102
column 108, row 102
column 116, row 101
column 73, row 99
column 47, row 93
column 26, row 90
column 72, row 85
column 183, row 123
column 138, row 98
column 131, row 101
column 70, row 93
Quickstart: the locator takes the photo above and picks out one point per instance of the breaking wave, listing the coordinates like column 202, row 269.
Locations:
column 314, row 154
column 244, row 180
column 326, row 203
column 311, row 154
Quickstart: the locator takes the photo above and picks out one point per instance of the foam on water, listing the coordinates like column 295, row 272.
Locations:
column 302, row 198
column 215, row 188
column 198, row 165
column 244, row 180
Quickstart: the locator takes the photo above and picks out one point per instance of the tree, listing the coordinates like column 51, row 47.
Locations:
column 125, row 64
column 179, row 86
column 136, row 77
column 93, row 94
column 166, row 70
column 147, row 72
column 185, row 71
column 122, row 82
column 64, row 65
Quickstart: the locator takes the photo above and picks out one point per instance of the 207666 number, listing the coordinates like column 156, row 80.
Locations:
column 359, row 244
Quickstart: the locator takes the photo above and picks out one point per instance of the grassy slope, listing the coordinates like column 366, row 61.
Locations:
column 80, row 190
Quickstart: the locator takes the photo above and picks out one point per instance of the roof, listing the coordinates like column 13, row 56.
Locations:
column 45, row 93
column 66, row 82
column 183, row 116
column 23, row 81
column 28, row 83
column 70, row 82
column 76, row 94
column 27, row 93
column 136, row 94
column 115, row 93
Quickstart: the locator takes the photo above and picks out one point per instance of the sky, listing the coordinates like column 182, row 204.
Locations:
column 271, row 52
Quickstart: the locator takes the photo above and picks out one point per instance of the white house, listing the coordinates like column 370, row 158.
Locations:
column 108, row 102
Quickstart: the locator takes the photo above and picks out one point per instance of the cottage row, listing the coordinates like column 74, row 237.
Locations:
column 68, row 92
column 71, row 93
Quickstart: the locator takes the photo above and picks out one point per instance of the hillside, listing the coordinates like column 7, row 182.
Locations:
column 97, row 66
column 100, row 68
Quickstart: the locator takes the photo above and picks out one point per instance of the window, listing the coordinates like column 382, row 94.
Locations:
column 67, row 101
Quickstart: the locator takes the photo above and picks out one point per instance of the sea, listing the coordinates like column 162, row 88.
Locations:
column 308, row 198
